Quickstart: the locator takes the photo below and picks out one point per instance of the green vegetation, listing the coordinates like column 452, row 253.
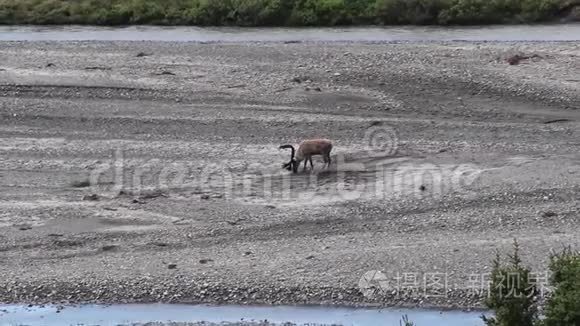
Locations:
column 511, row 293
column 513, row 289
column 280, row 12
column 406, row 322
column 563, row 308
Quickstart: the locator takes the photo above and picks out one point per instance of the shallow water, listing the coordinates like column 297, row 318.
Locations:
column 560, row 32
column 140, row 313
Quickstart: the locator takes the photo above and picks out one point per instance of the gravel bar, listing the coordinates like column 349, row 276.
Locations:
column 202, row 212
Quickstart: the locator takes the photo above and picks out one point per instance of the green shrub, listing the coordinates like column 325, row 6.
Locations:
column 464, row 12
column 468, row 12
column 262, row 12
column 416, row 12
column 277, row 12
column 563, row 307
column 320, row 12
column 538, row 10
column 52, row 12
column 511, row 294
column 405, row 321
column 360, row 11
column 211, row 12
column 142, row 11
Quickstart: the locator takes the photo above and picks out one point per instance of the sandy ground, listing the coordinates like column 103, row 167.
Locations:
column 157, row 177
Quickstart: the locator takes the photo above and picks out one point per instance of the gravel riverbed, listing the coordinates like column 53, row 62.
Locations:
column 150, row 171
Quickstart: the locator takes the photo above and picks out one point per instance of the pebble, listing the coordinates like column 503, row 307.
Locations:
column 397, row 68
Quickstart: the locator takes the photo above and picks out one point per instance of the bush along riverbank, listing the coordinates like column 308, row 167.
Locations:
column 514, row 291
column 286, row 12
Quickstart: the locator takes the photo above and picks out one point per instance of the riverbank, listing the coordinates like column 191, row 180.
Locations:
column 287, row 13
column 219, row 221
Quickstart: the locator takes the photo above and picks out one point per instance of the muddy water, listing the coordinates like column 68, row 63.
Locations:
column 355, row 177
column 563, row 32
column 141, row 313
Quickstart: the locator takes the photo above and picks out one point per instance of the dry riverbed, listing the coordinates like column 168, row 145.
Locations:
column 135, row 172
